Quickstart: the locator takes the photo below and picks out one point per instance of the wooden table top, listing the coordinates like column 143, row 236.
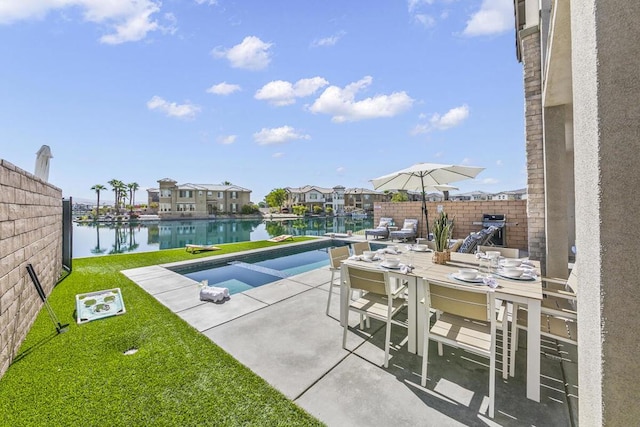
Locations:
column 425, row 268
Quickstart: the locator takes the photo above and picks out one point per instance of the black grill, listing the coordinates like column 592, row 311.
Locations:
column 496, row 220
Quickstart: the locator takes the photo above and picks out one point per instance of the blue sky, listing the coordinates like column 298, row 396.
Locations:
column 264, row 94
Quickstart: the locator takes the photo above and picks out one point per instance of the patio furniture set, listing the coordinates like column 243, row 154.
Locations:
column 467, row 313
column 409, row 231
column 387, row 230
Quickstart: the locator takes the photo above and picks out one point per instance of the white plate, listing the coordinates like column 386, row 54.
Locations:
column 525, row 277
column 393, row 267
column 478, row 279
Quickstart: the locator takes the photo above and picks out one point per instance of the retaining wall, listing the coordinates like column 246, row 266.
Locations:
column 30, row 232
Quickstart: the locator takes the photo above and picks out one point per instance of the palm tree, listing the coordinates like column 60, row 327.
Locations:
column 118, row 187
column 132, row 193
column 226, row 183
column 98, row 188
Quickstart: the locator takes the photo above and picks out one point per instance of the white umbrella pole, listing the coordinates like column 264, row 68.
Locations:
column 424, row 207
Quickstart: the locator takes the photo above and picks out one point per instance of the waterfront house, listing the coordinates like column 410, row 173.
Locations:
column 199, row 200
column 310, row 196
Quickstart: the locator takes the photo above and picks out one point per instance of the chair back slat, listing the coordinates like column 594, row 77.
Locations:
column 360, row 247
column 367, row 280
column 337, row 255
column 472, row 305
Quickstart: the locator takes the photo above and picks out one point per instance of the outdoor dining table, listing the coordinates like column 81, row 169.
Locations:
column 525, row 293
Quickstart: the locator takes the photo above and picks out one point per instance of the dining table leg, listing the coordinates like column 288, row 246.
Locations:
column 412, row 314
column 421, row 315
column 533, row 349
column 344, row 299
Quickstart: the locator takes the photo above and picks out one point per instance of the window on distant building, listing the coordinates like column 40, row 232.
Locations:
column 234, row 207
column 313, row 196
column 220, row 195
column 165, row 193
column 234, row 195
column 186, row 193
column 209, row 193
column 221, row 207
column 200, row 193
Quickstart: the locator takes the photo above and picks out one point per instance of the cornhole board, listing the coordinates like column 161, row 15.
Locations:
column 98, row 305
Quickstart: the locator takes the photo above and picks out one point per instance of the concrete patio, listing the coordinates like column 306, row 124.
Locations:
column 280, row 331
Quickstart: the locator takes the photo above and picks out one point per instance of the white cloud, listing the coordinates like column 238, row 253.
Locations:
column 280, row 92
column 494, row 16
column 171, row 109
column 209, row 2
column 277, row 155
column 129, row 20
column 451, row 118
column 341, row 169
column 499, row 163
column 415, row 4
column 328, row 41
column 278, row 135
column 420, row 128
column 171, row 27
column 341, row 103
column 223, row 88
column 251, row 54
column 227, row 139
column 425, row 20
column 466, row 161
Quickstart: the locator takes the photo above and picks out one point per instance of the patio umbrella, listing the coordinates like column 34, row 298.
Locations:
column 423, row 176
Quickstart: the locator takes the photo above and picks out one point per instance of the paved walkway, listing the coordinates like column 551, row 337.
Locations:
column 281, row 332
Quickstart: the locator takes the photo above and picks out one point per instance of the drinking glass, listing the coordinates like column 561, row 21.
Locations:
column 493, row 262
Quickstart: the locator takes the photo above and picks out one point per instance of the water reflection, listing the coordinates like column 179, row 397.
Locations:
column 111, row 238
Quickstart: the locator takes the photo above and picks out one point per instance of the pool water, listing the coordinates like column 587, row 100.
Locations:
column 258, row 269
column 240, row 276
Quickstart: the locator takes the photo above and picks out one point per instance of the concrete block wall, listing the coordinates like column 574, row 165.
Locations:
column 464, row 214
column 30, row 232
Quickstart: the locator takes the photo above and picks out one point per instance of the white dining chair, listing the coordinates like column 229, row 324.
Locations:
column 465, row 319
column 379, row 300
column 336, row 256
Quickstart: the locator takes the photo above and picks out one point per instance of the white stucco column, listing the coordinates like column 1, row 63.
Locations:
column 606, row 90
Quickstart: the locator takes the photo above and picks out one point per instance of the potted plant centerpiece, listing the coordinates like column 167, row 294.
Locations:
column 442, row 231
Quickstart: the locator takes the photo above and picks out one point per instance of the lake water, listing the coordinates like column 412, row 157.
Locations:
column 106, row 239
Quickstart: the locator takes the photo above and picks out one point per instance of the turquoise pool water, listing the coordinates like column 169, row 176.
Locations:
column 258, row 269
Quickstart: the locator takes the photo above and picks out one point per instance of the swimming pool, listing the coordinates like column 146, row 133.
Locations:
column 256, row 269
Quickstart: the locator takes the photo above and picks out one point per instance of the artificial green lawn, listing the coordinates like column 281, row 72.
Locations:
column 178, row 377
